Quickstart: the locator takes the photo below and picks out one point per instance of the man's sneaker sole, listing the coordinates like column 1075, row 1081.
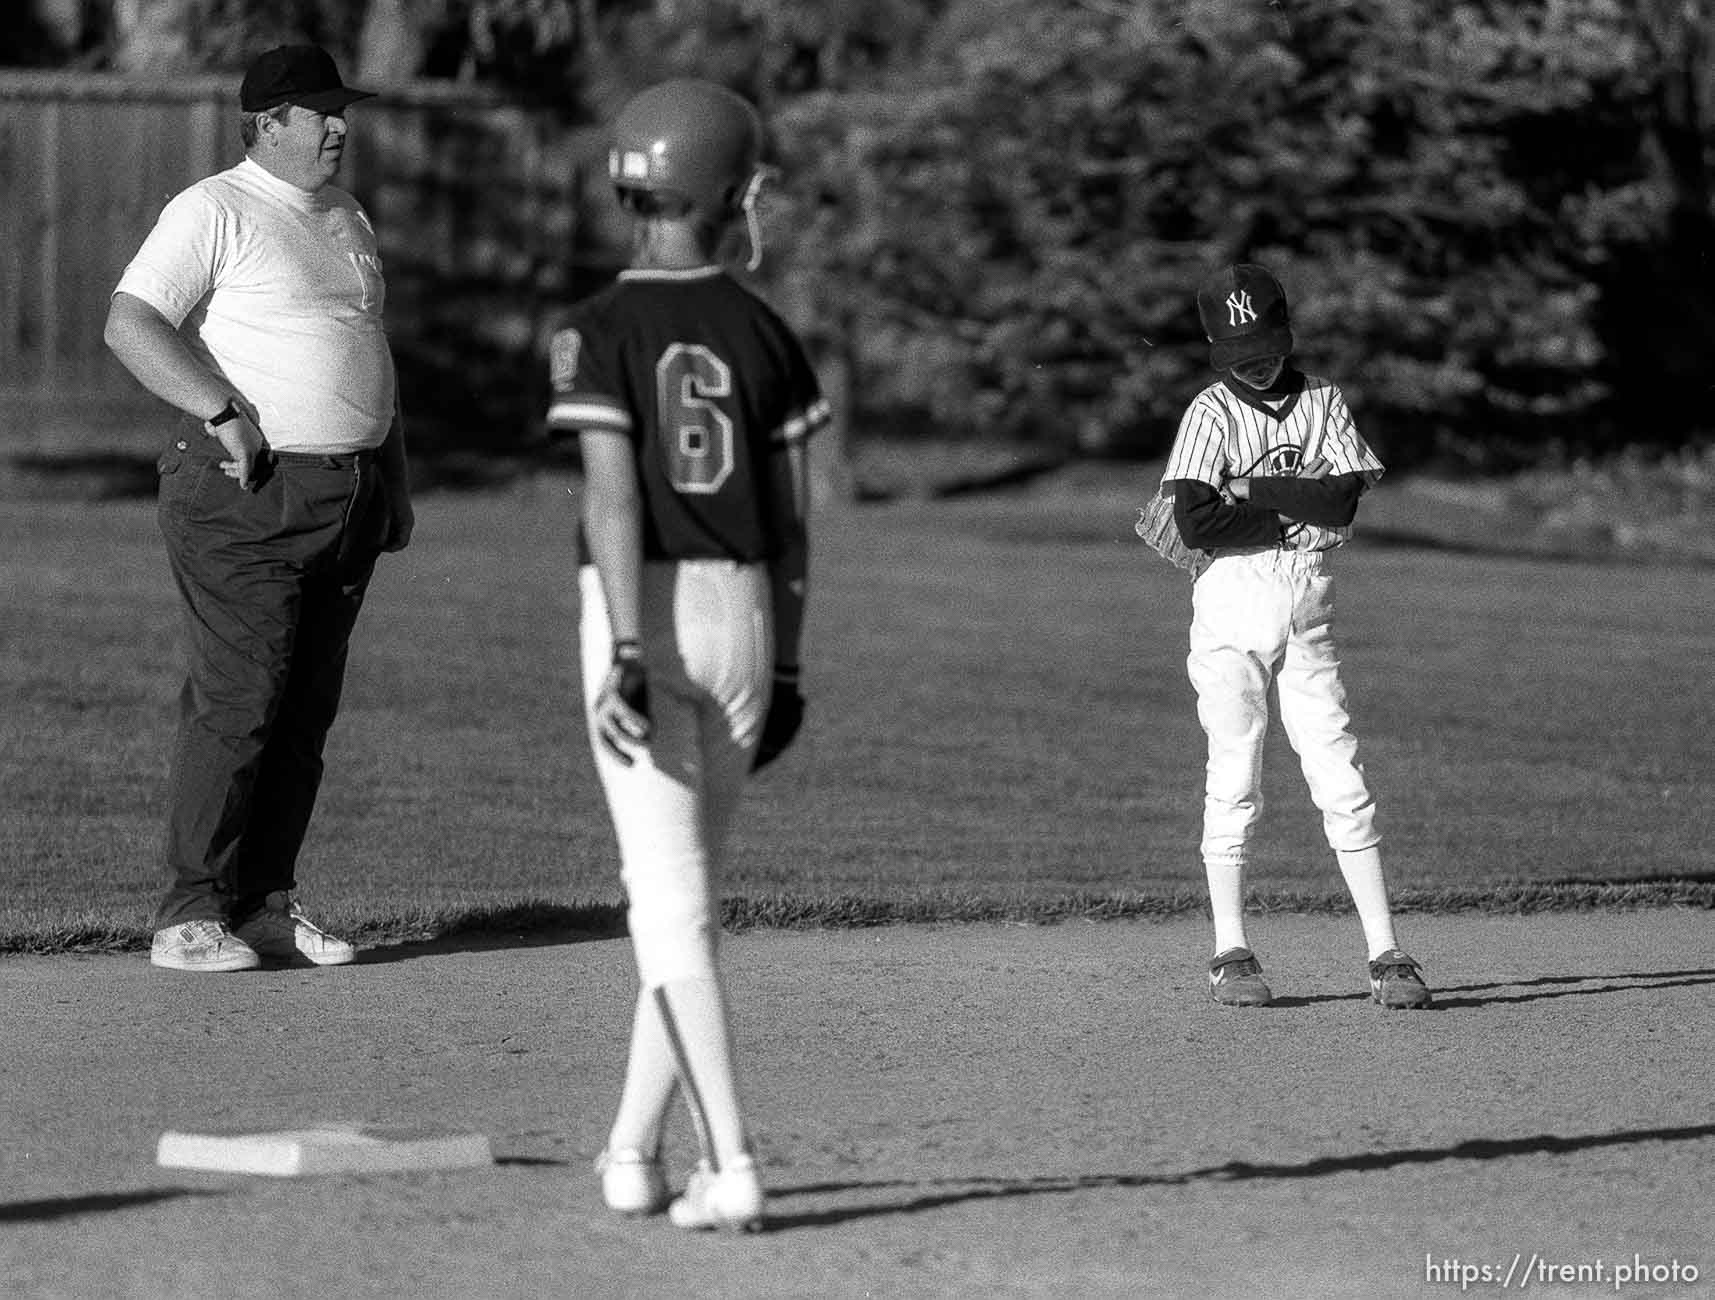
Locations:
column 1235, row 979
column 215, row 966
column 293, row 955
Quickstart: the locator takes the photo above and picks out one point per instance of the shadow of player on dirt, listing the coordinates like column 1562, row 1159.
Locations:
column 68, row 1207
column 527, row 925
column 1287, row 1001
column 411, row 950
column 935, row 1193
column 1539, row 989
column 1562, row 986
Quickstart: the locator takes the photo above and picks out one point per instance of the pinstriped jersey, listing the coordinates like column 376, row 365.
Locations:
column 1230, row 431
column 707, row 382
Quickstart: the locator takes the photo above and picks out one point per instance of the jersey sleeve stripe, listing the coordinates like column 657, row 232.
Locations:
column 800, row 426
column 588, row 413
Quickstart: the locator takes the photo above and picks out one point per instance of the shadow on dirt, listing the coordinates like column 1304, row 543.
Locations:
column 1282, row 1001
column 494, row 929
column 938, row 1192
column 67, row 1207
column 1550, row 986
column 1544, row 987
column 386, row 954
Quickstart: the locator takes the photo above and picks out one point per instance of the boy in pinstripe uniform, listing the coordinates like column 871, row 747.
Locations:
column 1265, row 475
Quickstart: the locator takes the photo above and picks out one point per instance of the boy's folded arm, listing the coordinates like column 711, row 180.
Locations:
column 1208, row 522
column 1330, row 502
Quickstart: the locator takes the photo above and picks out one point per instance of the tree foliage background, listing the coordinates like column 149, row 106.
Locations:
column 1493, row 218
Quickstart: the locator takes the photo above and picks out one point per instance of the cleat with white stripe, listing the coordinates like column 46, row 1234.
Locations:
column 1396, row 981
column 1235, row 979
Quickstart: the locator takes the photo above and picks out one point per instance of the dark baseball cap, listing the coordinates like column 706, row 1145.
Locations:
column 304, row 75
column 1243, row 310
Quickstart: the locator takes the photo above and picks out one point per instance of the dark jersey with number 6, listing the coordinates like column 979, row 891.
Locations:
column 707, row 381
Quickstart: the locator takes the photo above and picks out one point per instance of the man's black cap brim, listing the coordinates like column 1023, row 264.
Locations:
column 317, row 101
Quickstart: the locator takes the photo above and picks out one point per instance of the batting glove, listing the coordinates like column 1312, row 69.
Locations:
column 622, row 705
column 785, row 717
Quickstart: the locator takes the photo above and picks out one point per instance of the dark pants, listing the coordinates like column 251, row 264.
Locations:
column 272, row 581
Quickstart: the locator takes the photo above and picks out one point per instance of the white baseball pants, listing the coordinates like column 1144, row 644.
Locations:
column 1268, row 618
column 708, row 647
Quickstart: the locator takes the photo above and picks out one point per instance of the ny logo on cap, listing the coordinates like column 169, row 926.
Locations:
column 628, row 164
column 1239, row 309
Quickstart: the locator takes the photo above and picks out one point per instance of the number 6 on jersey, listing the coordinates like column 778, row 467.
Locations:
column 699, row 446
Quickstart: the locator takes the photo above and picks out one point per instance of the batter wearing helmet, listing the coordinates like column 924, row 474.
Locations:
column 692, row 402
column 1264, row 478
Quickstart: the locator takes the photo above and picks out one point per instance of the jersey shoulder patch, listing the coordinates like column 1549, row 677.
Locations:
column 583, row 397
column 564, row 353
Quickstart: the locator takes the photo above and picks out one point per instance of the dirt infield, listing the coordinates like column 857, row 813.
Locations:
column 959, row 1111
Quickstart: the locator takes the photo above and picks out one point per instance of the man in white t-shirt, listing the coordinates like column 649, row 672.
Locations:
column 255, row 306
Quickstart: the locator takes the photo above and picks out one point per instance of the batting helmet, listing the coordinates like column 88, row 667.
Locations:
column 692, row 140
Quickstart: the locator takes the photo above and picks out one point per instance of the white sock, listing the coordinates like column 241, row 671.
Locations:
column 1362, row 869
column 651, row 1074
column 694, row 1015
column 1227, row 902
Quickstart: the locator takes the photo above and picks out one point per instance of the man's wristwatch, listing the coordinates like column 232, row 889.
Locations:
column 228, row 412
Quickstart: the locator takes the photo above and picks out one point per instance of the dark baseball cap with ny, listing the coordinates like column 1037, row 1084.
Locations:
column 1243, row 310
column 304, row 75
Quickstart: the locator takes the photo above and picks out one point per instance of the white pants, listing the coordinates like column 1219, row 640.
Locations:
column 708, row 647
column 1268, row 618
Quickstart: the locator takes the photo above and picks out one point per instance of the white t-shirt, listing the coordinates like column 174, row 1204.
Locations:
column 279, row 290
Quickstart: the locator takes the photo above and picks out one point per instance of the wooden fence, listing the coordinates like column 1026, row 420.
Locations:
column 483, row 209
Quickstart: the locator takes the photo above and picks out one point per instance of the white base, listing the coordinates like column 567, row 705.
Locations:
column 325, row 1149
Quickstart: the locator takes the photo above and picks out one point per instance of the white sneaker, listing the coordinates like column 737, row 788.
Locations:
column 203, row 946
column 282, row 931
column 631, row 1182
column 731, row 1198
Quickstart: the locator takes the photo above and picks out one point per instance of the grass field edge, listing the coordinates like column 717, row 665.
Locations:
column 537, row 921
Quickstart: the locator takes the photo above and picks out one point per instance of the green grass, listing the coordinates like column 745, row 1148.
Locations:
column 1000, row 729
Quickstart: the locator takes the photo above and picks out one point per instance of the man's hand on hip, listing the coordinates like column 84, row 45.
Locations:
column 243, row 440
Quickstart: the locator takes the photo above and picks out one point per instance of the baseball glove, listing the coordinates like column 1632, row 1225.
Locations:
column 785, row 717
column 1156, row 525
